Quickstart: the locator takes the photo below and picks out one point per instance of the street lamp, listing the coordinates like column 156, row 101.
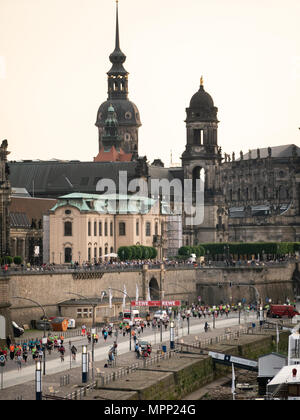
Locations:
column 38, row 381
column 172, row 335
column 239, row 305
column 85, row 365
column 93, row 328
column 44, row 340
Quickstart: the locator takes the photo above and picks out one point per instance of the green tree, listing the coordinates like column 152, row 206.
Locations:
column 18, row 260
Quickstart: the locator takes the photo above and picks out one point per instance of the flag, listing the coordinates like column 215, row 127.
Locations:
column 110, row 298
column 124, row 297
column 233, row 382
column 136, row 292
column 148, row 297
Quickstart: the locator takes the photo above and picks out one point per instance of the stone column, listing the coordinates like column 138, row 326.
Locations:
column 5, row 307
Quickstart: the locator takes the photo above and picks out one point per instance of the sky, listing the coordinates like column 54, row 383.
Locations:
column 54, row 56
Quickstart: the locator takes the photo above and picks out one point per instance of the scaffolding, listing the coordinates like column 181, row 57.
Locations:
column 173, row 234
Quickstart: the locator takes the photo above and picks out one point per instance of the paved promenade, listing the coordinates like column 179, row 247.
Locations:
column 21, row 384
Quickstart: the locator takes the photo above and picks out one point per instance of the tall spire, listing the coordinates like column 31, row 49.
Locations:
column 117, row 57
column 117, row 75
column 117, row 25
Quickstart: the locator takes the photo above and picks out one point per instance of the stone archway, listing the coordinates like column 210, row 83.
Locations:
column 154, row 289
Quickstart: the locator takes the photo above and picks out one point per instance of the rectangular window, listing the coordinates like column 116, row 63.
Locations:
column 79, row 313
column 111, row 229
column 105, row 229
column 137, row 228
column 89, row 228
column 122, row 229
column 95, row 228
column 68, row 229
column 100, row 228
column 89, row 254
column 148, row 229
column 95, row 253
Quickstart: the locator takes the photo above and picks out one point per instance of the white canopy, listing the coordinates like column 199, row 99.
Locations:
column 112, row 255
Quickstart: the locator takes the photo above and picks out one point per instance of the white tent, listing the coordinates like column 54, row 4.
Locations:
column 112, row 255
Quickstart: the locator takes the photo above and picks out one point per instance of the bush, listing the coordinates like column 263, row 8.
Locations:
column 18, row 260
column 7, row 260
column 125, row 253
column 137, row 252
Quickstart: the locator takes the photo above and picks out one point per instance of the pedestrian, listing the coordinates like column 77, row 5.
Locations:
column 105, row 334
column 12, row 352
column 19, row 362
column 73, row 352
column 62, row 353
column 25, row 355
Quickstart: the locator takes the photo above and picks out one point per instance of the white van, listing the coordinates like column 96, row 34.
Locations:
column 161, row 314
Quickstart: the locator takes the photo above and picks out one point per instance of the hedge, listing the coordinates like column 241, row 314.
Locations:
column 242, row 248
column 137, row 252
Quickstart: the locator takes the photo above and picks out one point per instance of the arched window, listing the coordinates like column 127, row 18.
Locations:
column 68, row 229
column 265, row 193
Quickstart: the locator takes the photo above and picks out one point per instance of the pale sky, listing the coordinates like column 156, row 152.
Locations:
column 54, row 60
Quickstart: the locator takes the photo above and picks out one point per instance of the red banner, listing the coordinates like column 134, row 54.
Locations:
column 155, row 303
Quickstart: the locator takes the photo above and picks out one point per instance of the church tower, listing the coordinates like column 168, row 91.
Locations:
column 201, row 160
column 127, row 112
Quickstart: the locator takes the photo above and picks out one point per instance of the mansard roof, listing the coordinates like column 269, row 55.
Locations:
column 284, row 151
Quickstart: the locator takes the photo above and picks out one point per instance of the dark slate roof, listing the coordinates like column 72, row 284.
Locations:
column 19, row 220
column 277, row 152
column 56, row 178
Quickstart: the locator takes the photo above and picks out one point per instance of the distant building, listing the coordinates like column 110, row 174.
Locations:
column 26, row 227
column 89, row 228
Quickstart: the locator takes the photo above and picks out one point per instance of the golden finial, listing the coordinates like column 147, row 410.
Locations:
column 201, row 81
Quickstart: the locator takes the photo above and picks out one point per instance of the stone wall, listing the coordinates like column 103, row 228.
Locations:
column 214, row 285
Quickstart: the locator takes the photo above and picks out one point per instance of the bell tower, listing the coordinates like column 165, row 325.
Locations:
column 201, row 160
column 127, row 112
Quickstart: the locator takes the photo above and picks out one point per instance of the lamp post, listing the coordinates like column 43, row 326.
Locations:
column 85, row 365
column 172, row 335
column 38, row 381
column 44, row 340
column 239, row 305
column 93, row 328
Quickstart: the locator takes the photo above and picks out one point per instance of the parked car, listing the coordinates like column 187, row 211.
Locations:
column 278, row 311
column 18, row 331
column 41, row 324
